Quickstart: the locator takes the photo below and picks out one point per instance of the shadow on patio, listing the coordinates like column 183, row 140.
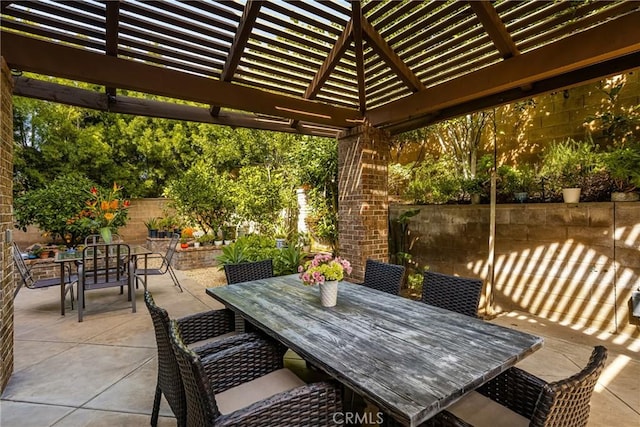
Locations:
column 102, row 372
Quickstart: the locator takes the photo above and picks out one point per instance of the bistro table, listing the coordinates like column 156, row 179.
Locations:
column 410, row 359
column 67, row 257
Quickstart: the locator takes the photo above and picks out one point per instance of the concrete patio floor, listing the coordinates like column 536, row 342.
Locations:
column 102, row 372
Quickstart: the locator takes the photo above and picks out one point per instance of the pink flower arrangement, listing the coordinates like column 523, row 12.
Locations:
column 322, row 268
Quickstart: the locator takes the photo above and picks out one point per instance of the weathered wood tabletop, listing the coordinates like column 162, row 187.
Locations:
column 408, row 358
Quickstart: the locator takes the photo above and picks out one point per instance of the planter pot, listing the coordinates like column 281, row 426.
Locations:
column 196, row 244
column 625, row 197
column 218, row 242
column 475, row 199
column 521, row 196
column 153, row 234
column 184, row 245
column 161, row 234
column 228, row 242
column 329, row 293
column 280, row 243
column 571, row 195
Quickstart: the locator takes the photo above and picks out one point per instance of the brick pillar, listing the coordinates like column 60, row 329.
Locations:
column 363, row 207
column 7, row 284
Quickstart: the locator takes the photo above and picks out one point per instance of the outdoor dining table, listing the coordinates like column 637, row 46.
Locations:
column 62, row 258
column 408, row 358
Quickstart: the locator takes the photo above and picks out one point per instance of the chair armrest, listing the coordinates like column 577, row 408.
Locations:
column 242, row 363
column 515, row 389
column 202, row 326
column 314, row 405
column 228, row 342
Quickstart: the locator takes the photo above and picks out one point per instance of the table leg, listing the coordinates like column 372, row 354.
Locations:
column 62, row 293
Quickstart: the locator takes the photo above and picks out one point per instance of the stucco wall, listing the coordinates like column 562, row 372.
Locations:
column 574, row 264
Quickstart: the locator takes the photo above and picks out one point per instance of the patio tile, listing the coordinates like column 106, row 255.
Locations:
column 96, row 418
column 133, row 393
column 22, row 414
column 29, row 353
column 136, row 331
column 75, row 376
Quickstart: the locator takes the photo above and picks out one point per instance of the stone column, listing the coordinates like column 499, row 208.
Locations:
column 363, row 207
column 7, row 284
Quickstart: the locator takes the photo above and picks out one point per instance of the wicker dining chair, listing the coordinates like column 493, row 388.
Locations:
column 247, row 271
column 459, row 294
column 518, row 398
column 204, row 332
column 383, row 276
column 247, row 385
column 165, row 264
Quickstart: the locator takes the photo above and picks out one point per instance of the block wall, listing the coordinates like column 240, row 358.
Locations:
column 363, row 202
column 573, row 264
column 7, row 284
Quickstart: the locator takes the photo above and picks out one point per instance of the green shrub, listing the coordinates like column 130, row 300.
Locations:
column 435, row 182
column 566, row 164
column 257, row 248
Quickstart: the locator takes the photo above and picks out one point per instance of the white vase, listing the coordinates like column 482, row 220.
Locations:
column 571, row 195
column 329, row 293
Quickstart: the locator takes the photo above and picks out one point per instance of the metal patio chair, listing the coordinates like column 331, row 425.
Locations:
column 459, row 294
column 518, row 398
column 104, row 266
column 28, row 281
column 247, row 385
column 383, row 276
column 165, row 264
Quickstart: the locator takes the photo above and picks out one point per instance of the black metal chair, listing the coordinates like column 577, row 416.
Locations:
column 105, row 266
column 247, row 385
column 459, row 294
column 383, row 276
column 205, row 333
column 247, row 271
column 517, row 397
column 93, row 239
column 28, row 281
column 165, row 264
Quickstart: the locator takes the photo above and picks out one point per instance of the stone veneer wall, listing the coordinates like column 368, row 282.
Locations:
column 7, row 284
column 574, row 264
column 363, row 155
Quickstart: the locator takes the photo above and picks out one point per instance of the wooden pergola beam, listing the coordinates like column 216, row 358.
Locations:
column 592, row 73
column 29, row 54
column 249, row 16
column 608, row 41
column 111, row 26
column 356, row 18
column 496, row 29
column 382, row 48
column 48, row 91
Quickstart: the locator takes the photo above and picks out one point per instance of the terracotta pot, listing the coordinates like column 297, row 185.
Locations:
column 184, row 245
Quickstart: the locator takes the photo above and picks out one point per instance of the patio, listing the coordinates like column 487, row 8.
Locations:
column 55, row 381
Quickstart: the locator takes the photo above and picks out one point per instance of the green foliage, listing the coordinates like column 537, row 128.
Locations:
column 517, row 180
column 435, row 182
column 322, row 218
column 567, row 163
column 257, row 248
column 399, row 177
column 257, row 195
column 623, row 165
column 203, row 195
column 50, row 208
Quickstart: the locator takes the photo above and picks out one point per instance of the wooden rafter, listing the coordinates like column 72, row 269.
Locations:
column 494, row 26
column 356, row 17
column 52, row 59
column 608, row 41
column 249, row 16
column 54, row 92
column 382, row 48
column 111, row 45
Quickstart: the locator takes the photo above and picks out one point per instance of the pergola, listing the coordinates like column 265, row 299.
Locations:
column 314, row 67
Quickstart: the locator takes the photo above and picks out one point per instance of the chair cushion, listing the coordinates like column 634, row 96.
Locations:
column 194, row 345
column 478, row 410
column 259, row 389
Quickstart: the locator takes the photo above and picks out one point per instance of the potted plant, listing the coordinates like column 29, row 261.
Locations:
column 325, row 270
column 197, row 235
column 280, row 234
column 474, row 187
column 623, row 166
column 152, row 227
column 566, row 164
column 184, row 242
column 228, row 234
